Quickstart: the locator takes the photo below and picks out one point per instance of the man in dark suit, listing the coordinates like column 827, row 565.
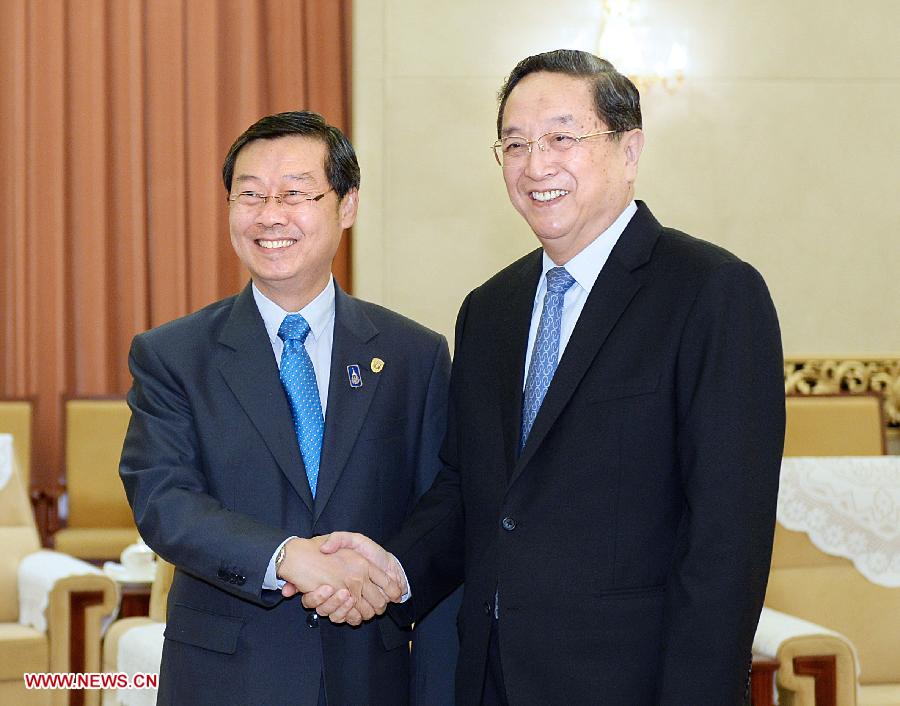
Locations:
column 614, row 436
column 274, row 416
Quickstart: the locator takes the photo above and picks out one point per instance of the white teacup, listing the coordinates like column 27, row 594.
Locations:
column 138, row 559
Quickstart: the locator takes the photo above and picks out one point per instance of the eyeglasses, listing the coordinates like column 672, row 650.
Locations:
column 514, row 149
column 253, row 199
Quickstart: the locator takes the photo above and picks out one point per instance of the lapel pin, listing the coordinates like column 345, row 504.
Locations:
column 354, row 376
column 377, row 365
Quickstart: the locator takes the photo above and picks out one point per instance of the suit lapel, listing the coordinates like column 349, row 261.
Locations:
column 612, row 292
column 513, row 341
column 347, row 406
column 250, row 370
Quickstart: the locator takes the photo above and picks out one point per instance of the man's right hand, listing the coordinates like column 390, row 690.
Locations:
column 360, row 588
column 328, row 603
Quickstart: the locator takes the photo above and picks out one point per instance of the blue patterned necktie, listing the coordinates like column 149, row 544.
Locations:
column 545, row 354
column 299, row 380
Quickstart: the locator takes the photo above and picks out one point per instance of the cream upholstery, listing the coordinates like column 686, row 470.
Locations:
column 25, row 648
column 158, row 595
column 828, row 590
column 100, row 524
column 834, row 425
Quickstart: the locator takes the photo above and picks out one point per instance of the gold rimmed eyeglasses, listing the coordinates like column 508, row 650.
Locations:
column 514, row 148
column 254, row 199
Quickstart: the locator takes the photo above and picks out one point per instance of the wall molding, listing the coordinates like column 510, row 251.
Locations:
column 856, row 375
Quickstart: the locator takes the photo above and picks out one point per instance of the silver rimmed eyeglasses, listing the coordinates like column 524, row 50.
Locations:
column 254, row 199
column 514, row 149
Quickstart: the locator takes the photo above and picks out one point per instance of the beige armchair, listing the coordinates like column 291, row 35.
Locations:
column 100, row 524
column 829, row 591
column 117, row 637
column 805, row 651
column 834, row 425
column 76, row 605
column 840, row 632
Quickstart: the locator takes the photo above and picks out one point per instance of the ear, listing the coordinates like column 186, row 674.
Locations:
column 633, row 145
column 347, row 208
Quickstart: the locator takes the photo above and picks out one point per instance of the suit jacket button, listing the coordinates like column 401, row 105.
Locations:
column 312, row 620
column 241, row 580
column 487, row 608
column 508, row 523
column 222, row 574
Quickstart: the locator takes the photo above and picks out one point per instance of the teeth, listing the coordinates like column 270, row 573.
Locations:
column 548, row 195
column 273, row 244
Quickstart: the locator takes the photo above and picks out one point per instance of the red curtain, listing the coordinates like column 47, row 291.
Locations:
column 115, row 116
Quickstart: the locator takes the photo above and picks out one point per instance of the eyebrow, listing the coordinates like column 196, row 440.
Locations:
column 303, row 176
column 566, row 120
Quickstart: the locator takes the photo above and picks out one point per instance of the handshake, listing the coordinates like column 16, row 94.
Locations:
column 344, row 576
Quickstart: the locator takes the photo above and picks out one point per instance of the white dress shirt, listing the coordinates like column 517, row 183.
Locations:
column 585, row 268
column 319, row 314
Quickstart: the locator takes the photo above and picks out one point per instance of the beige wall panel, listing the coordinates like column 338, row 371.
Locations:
column 477, row 38
column 453, row 234
column 797, row 39
column 794, row 177
column 368, row 140
column 781, row 146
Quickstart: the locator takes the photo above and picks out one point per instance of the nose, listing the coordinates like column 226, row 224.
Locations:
column 539, row 162
column 272, row 212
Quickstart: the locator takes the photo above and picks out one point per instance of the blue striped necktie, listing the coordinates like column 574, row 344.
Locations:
column 299, row 380
column 545, row 353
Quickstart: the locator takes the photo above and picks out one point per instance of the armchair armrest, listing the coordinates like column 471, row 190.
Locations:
column 72, row 602
column 38, row 575
column 817, row 666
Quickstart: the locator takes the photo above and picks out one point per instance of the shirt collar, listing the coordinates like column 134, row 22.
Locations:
column 585, row 266
column 319, row 313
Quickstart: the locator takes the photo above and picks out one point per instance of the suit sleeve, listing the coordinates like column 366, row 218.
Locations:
column 430, row 545
column 174, row 509
column 434, row 645
column 730, row 414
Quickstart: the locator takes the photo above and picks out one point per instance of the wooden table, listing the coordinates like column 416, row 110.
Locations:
column 762, row 680
column 135, row 599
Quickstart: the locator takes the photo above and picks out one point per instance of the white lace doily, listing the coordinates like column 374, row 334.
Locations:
column 848, row 506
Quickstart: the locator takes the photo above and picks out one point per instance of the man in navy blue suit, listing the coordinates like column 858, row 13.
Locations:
column 275, row 416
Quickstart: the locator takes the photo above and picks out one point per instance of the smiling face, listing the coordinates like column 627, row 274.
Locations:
column 288, row 249
column 568, row 199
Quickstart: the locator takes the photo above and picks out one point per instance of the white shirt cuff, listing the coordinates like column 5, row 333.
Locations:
column 406, row 596
column 271, row 581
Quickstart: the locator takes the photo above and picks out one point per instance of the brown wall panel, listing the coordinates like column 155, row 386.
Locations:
column 46, row 327
column 128, row 301
column 86, row 198
column 114, row 120
column 166, row 233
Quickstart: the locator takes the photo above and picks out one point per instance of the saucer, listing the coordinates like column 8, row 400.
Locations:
column 120, row 574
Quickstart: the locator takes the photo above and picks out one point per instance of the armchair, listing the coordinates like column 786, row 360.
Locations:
column 135, row 644
column 100, row 524
column 64, row 637
column 835, row 632
column 800, row 647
